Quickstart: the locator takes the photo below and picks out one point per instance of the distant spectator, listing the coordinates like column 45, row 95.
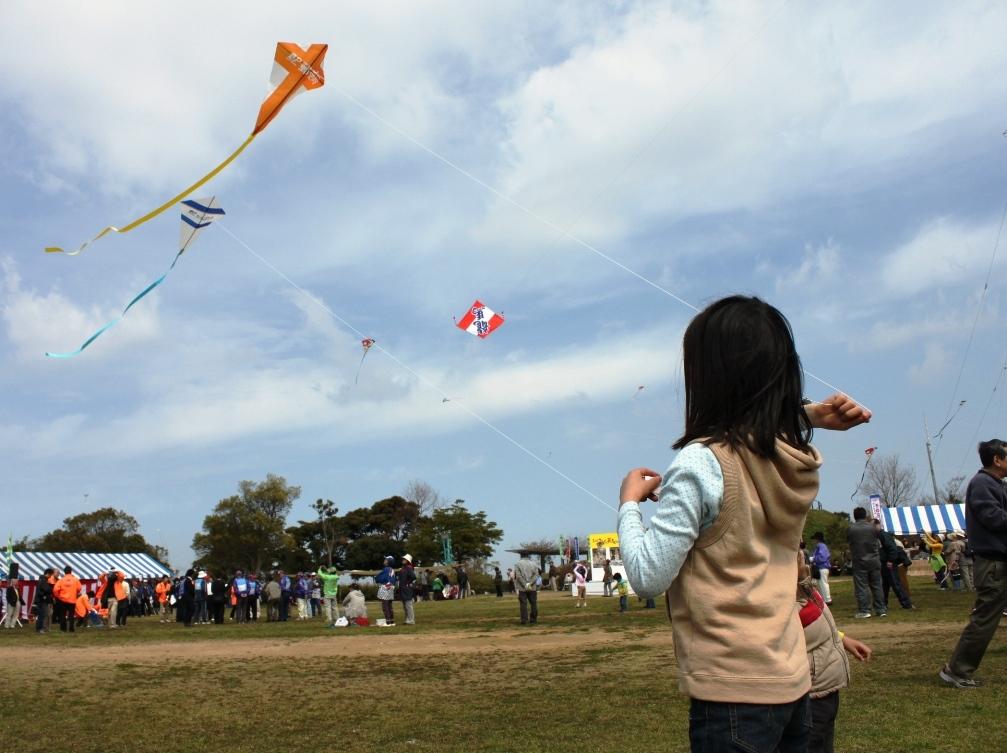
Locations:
column 271, row 595
column 43, row 600
column 463, row 583
column 13, row 604
column 355, row 604
column 890, row 559
column 864, row 546
column 407, row 579
column 526, row 573
column 580, row 580
column 386, row 590
column 285, row 584
column 606, row 579
column 498, row 581
column 821, row 565
column 65, row 594
column 622, row 587
column 218, row 599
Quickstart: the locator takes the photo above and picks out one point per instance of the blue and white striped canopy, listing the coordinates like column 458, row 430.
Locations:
column 912, row 520
column 86, row 565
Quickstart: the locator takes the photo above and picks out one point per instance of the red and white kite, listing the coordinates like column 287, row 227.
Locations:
column 480, row 320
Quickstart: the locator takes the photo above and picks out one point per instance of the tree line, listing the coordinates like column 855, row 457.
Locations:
column 250, row 530
column 897, row 483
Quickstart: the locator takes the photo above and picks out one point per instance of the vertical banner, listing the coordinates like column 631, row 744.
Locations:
column 576, row 548
column 876, row 507
column 559, row 548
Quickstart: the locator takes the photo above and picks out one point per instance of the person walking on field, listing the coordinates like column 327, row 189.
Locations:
column 526, row 574
column 986, row 523
column 498, row 582
column 864, row 549
column 821, row 558
column 606, row 580
column 728, row 522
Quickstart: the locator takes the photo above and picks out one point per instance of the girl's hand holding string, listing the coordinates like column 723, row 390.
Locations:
column 837, row 412
column 639, row 484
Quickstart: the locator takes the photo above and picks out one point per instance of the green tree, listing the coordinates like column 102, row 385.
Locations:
column 248, row 530
column 104, row 530
column 380, row 530
column 833, row 526
column 472, row 535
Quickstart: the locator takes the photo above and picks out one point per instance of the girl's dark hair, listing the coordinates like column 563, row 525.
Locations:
column 743, row 378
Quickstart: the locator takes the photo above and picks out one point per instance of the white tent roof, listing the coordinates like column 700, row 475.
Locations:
column 912, row 520
column 86, row 565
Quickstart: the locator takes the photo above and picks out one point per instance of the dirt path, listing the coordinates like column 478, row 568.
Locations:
column 41, row 655
column 48, row 655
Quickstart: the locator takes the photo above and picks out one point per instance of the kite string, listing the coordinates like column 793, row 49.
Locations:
column 679, row 111
column 539, row 218
column 979, row 310
column 426, row 382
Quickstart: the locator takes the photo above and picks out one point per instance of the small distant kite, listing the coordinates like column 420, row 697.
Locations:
column 196, row 216
column 638, row 391
column 868, row 453
column 367, row 343
column 480, row 320
column 294, row 71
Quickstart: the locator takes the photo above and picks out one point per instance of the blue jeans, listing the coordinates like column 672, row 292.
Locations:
column 749, row 727
column 623, row 603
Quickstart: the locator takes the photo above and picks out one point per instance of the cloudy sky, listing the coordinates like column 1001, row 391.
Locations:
column 845, row 162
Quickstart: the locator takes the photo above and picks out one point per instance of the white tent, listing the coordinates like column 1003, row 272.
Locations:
column 915, row 519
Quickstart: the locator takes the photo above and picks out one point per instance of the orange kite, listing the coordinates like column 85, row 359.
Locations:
column 294, row 70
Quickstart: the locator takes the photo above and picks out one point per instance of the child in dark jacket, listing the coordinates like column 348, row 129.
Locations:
column 830, row 669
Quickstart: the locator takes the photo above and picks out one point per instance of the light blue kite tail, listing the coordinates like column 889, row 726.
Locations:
column 118, row 319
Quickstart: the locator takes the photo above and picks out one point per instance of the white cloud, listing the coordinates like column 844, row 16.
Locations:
column 935, row 363
column 39, row 322
column 670, row 113
column 944, row 253
column 817, row 270
column 274, row 396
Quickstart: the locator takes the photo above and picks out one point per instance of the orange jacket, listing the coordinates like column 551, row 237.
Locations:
column 67, row 588
column 161, row 589
column 83, row 606
column 120, row 590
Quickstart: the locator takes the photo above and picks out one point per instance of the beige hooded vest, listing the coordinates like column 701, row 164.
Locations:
column 738, row 637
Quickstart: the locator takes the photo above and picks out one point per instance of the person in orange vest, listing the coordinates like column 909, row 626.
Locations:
column 112, row 593
column 65, row 594
column 83, row 606
column 162, row 589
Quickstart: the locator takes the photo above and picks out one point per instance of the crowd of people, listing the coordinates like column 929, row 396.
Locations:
column 200, row 597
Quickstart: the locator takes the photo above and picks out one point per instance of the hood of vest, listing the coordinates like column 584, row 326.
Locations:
column 786, row 484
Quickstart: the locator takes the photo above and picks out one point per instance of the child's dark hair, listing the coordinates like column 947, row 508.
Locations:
column 743, row 378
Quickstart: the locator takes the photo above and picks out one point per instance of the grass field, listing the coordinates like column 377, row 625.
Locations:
column 467, row 678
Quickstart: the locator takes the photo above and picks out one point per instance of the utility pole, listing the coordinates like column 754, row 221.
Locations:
column 930, row 459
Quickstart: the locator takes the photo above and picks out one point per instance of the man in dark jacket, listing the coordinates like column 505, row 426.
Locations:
column 891, row 556
column 986, row 523
column 43, row 600
column 864, row 547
